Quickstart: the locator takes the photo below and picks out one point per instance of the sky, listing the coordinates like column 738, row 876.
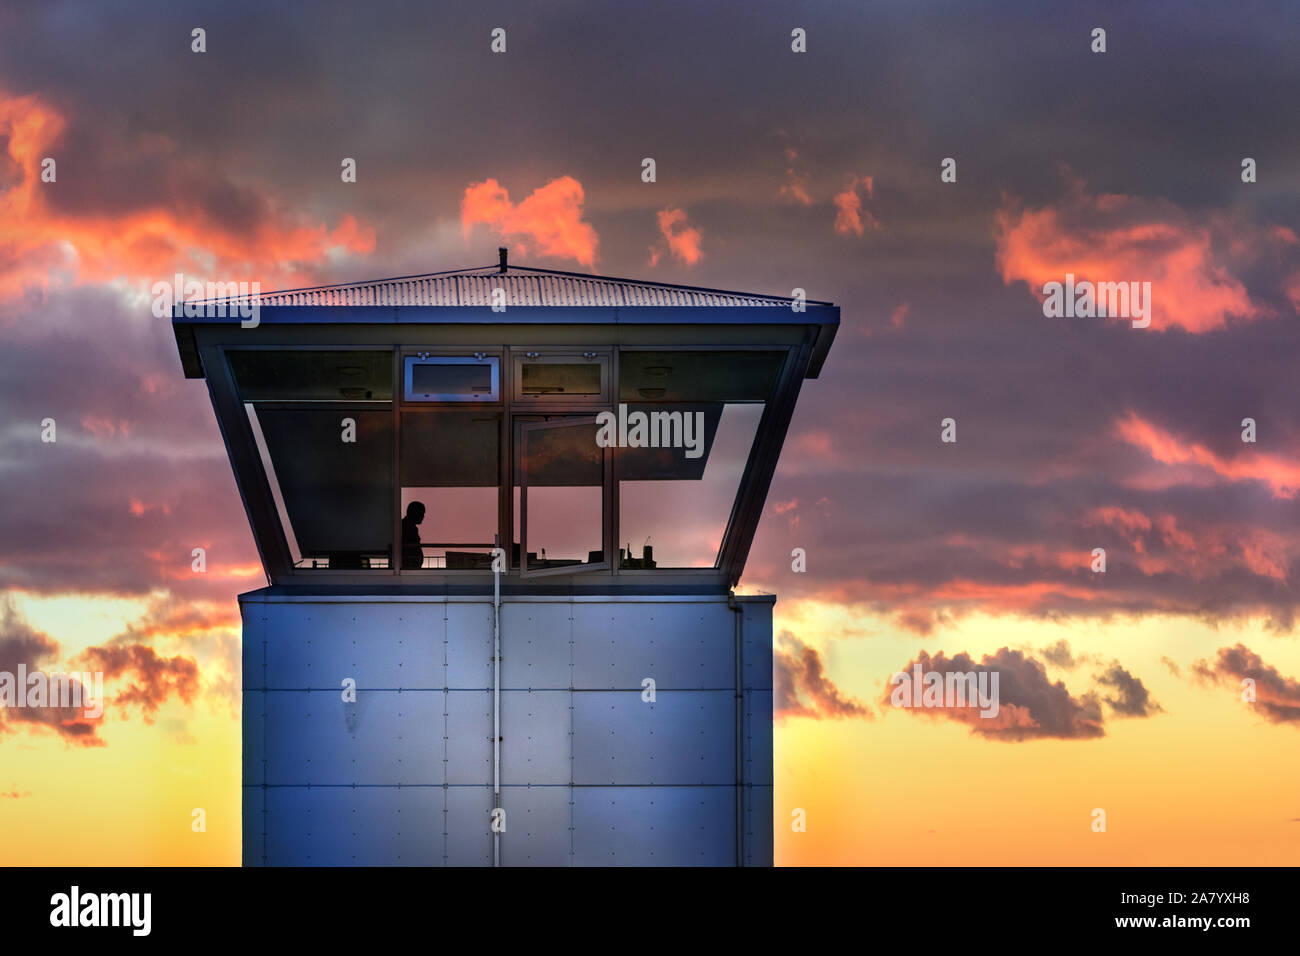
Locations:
column 1122, row 690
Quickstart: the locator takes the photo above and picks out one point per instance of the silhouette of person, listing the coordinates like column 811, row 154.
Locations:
column 412, row 553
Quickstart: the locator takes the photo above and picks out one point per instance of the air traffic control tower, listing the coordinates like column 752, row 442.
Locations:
column 500, row 627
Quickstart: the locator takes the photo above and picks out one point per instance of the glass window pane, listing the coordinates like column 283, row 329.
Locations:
column 334, row 496
column 698, row 376
column 673, row 508
column 701, row 414
column 451, row 479
column 326, row 375
column 554, row 378
column 452, row 378
column 457, row 379
column 565, row 471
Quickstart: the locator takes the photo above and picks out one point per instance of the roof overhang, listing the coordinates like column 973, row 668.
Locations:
column 402, row 324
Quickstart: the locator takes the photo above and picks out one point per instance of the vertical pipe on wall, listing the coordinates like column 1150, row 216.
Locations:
column 496, row 700
column 740, row 729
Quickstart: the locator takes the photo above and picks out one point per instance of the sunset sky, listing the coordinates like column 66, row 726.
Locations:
column 775, row 170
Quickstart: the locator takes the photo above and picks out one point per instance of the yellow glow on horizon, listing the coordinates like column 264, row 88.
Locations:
column 1205, row 782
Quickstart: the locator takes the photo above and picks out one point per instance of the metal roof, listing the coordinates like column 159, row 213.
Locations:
column 533, row 297
column 523, row 286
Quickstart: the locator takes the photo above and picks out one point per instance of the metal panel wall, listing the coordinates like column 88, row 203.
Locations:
column 593, row 772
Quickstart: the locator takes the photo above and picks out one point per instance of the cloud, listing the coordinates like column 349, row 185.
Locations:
column 1281, row 474
column 1276, row 696
column 801, row 687
column 1059, row 655
column 682, row 239
column 1188, row 259
column 1292, row 290
column 548, row 222
column 1029, row 705
column 920, row 621
column 850, row 216
column 114, row 511
column 162, row 214
column 1162, row 543
column 36, row 651
column 795, row 185
column 153, row 679
column 1172, row 665
column 1131, row 699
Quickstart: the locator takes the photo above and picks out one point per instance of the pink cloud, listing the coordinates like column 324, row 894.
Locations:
column 1281, row 474
column 550, row 217
column 683, row 239
column 1116, row 238
column 850, row 216
column 152, row 235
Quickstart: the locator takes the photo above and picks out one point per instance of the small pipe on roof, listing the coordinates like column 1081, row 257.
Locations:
column 501, row 251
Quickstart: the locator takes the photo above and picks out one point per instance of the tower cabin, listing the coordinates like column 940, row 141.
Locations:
column 503, row 512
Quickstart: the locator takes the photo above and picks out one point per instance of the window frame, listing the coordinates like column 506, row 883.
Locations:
column 606, row 518
column 268, row 530
column 602, row 356
column 411, row 359
column 503, row 485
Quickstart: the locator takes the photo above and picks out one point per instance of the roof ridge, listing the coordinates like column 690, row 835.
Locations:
column 539, row 287
column 478, row 271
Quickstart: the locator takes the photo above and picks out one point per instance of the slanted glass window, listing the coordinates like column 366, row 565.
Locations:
column 331, row 476
column 452, row 378
column 451, row 489
column 324, row 375
column 687, row 423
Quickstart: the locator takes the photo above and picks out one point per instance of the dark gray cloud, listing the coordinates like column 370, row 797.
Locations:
column 1277, row 696
column 1059, row 655
column 1131, row 697
column 1030, row 705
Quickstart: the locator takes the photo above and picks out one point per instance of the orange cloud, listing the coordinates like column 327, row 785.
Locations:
column 1021, row 556
column 801, row 687
column 104, row 427
column 683, row 239
column 184, row 225
column 850, row 217
column 1007, row 597
column 1124, row 519
column 551, row 217
column 1116, row 238
column 1282, row 475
